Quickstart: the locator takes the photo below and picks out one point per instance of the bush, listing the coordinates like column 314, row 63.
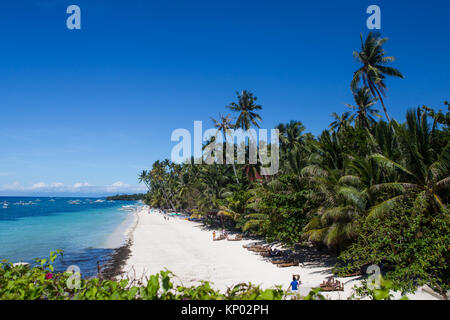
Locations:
column 23, row 282
column 409, row 244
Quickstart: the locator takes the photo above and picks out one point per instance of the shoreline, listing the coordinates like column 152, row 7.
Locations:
column 186, row 249
column 114, row 267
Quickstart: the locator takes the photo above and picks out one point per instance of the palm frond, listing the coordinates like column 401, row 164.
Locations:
column 384, row 207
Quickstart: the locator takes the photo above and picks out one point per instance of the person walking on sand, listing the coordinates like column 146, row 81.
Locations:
column 214, row 235
column 293, row 287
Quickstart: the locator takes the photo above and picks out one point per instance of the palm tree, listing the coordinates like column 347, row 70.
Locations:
column 159, row 178
column 340, row 122
column 291, row 135
column 144, row 177
column 364, row 117
column 374, row 70
column 246, row 107
column 224, row 125
column 422, row 172
column 333, row 221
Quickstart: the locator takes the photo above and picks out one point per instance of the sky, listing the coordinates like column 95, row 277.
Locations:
column 83, row 111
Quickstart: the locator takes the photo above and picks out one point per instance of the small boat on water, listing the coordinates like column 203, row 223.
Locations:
column 52, row 200
column 21, row 203
column 74, row 202
column 99, row 201
column 5, row 205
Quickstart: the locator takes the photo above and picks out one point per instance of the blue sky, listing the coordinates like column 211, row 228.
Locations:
column 82, row 111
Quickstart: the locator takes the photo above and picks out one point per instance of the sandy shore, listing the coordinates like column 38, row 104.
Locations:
column 186, row 249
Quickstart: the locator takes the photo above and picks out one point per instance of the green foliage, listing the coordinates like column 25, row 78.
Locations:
column 383, row 291
column 412, row 246
column 286, row 210
column 23, row 282
column 127, row 197
column 378, row 191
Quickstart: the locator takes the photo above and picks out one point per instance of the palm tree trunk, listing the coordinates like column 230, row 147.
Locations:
column 168, row 199
column 235, row 173
column 234, row 167
column 374, row 87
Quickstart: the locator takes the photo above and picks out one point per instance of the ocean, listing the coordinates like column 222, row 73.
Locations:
column 86, row 229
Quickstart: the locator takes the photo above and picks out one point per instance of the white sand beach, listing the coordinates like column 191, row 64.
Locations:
column 187, row 250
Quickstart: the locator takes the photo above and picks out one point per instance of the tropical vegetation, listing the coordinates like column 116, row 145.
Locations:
column 127, row 197
column 372, row 191
column 41, row 282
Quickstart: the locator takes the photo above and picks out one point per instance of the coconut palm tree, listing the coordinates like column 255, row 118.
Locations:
column 422, row 172
column 224, row 125
column 364, row 111
column 291, row 135
column 159, row 180
column 144, row 177
column 333, row 220
column 246, row 106
column 373, row 71
column 340, row 121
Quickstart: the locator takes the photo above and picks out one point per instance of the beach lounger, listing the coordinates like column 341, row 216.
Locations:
column 272, row 253
column 332, row 285
column 237, row 238
column 259, row 249
column 354, row 274
column 286, row 265
column 252, row 245
column 282, row 261
column 222, row 237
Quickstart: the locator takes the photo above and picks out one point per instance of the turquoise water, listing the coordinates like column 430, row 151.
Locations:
column 32, row 227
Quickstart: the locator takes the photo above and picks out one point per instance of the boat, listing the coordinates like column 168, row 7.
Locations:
column 52, row 200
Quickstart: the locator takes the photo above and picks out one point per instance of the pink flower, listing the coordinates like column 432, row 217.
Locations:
column 48, row 276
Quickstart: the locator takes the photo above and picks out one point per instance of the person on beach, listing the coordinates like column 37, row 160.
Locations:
column 214, row 235
column 293, row 287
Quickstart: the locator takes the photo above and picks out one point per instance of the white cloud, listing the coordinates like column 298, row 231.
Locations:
column 39, row 185
column 81, row 184
column 43, row 185
column 77, row 188
column 119, row 184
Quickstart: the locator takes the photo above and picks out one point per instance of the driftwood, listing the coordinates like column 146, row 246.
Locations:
column 237, row 238
column 332, row 285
